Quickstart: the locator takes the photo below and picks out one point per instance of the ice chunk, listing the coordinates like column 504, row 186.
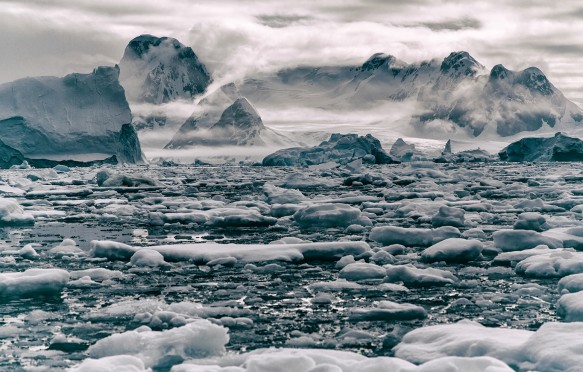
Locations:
column 453, row 250
column 362, row 271
column 125, row 363
column 464, row 364
column 11, row 213
column 112, row 250
column 570, row 307
column 67, row 248
column 148, row 257
column 279, row 195
column 556, row 263
column 99, row 274
column 413, row 276
column 297, row 360
column 388, row 310
column 464, row 339
column 571, row 283
column 513, row 257
column 163, row 349
column 531, row 221
column 330, row 215
column 412, row 237
column 448, row 216
column 553, row 347
column 108, row 178
column 205, row 252
column 33, row 282
column 518, row 240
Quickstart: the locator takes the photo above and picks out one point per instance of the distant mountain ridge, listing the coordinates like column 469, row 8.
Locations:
column 457, row 93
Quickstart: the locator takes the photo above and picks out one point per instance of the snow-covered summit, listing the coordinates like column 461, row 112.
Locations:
column 239, row 124
column 460, row 64
column 161, row 69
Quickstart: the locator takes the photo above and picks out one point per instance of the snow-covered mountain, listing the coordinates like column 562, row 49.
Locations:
column 504, row 102
column 456, row 94
column 79, row 116
column 226, row 119
column 161, row 69
column 382, row 77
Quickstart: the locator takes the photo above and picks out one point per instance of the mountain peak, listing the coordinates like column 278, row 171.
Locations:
column 535, row 79
column 460, row 64
column 377, row 60
column 499, row 72
column 240, row 114
column 161, row 69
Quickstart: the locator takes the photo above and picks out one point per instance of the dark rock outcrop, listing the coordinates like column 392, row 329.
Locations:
column 161, row 69
column 557, row 148
column 340, row 148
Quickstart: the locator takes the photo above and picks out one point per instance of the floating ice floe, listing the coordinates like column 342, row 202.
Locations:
column 388, row 311
column 412, row 237
column 453, row 250
column 206, row 252
column 555, row 263
column 11, row 213
column 518, row 240
column 463, row 339
column 330, row 215
column 413, row 276
column 162, row 349
column 33, row 282
column 362, row 271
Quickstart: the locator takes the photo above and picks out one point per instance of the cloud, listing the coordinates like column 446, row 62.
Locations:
column 278, row 21
column 454, row 25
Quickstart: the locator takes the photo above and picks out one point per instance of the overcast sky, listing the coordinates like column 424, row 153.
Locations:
column 234, row 38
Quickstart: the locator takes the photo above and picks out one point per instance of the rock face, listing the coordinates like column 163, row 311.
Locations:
column 238, row 124
column 129, row 148
column 557, row 148
column 9, row 156
column 456, row 94
column 161, row 69
column 340, row 148
column 79, row 115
